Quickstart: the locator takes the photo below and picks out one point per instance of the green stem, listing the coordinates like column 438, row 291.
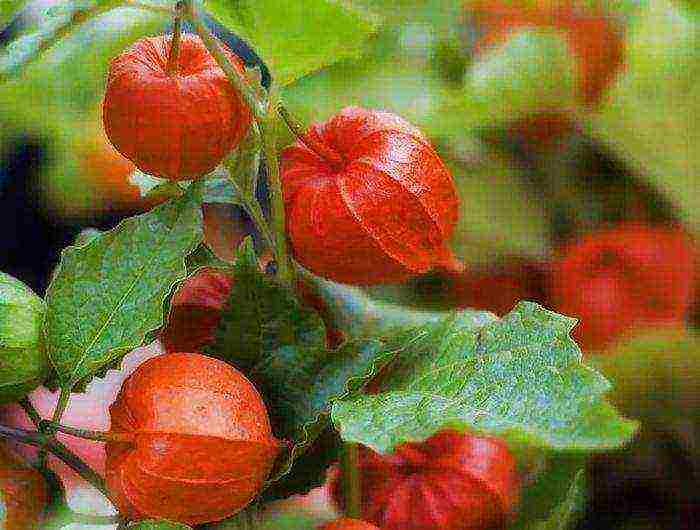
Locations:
column 253, row 209
column 148, row 7
column 352, row 481
column 59, row 450
column 171, row 67
column 284, row 272
column 236, row 78
column 294, row 126
column 31, row 412
column 63, row 399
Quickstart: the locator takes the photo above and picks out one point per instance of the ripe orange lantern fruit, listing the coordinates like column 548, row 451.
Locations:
column 200, row 443
column 24, row 493
column 348, row 524
column 177, row 125
column 625, row 277
column 500, row 287
column 196, row 310
column 368, row 200
column 451, row 481
column 594, row 37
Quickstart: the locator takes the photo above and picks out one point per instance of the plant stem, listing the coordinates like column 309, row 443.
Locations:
column 173, row 56
column 148, row 7
column 284, row 272
column 31, row 412
column 253, row 209
column 88, row 434
column 352, row 485
column 83, row 518
column 63, row 399
column 59, row 450
column 295, row 127
column 236, row 78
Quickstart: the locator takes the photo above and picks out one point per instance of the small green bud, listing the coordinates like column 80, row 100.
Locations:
column 23, row 362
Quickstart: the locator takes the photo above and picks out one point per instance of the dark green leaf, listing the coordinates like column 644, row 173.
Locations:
column 565, row 514
column 108, row 295
column 547, row 488
column 204, row 258
column 297, row 38
column 281, row 347
column 23, row 361
column 8, row 9
column 520, row 377
column 656, row 376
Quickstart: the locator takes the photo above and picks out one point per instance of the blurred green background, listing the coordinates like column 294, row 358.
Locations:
column 536, row 166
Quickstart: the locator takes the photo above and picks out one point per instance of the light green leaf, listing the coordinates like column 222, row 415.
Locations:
column 520, row 377
column 150, row 186
column 58, row 24
column 106, row 296
column 355, row 313
column 300, row 37
column 3, row 510
column 243, row 165
column 649, row 117
column 533, row 71
column 23, row 361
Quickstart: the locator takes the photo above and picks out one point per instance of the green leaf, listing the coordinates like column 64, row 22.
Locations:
column 150, row 186
column 243, row 165
column 108, row 295
column 8, row 9
column 204, row 258
column 508, row 81
column 357, row 314
column 222, row 191
column 274, row 520
column 160, row 524
column 58, row 24
column 23, row 361
column 520, row 377
column 547, row 488
column 656, row 374
column 86, row 235
column 659, row 144
column 280, row 346
column 565, row 514
column 3, row 510
column 300, row 37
